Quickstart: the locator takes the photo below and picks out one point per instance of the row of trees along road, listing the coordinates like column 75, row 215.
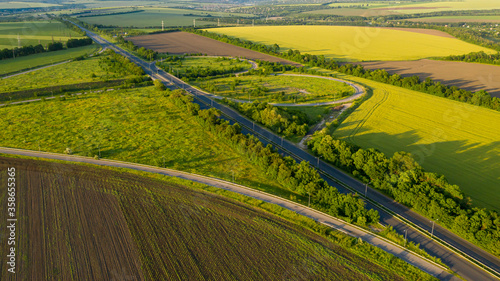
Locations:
column 402, row 178
column 299, row 178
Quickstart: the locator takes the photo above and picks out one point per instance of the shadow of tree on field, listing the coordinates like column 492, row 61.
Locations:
column 472, row 166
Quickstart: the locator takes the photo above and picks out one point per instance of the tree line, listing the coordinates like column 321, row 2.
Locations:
column 479, row 57
column 402, row 178
column 119, row 64
column 283, row 121
column 300, row 178
column 142, row 52
column 54, row 46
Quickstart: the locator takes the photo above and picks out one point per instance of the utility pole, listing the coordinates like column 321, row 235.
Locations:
column 432, row 231
column 366, row 188
column 194, row 23
column 162, row 26
column 18, row 41
column 218, row 22
column 405, row 237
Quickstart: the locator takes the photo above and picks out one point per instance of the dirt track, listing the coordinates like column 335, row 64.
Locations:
column 470, row 76
column 178, row 43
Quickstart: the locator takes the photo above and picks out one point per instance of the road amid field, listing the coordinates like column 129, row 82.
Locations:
column 345, row 183
column 469, row 76
column 358, row 92
column 323, row 218
column 179, row 43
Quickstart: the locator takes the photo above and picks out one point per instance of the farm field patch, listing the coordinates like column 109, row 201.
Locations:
column 186, row 65
column 97, row 4
column 469, row 76
column 57, row 228
column 152, row 17
column 159, row 229
column 383, row 9
column 347, row 43
column 69, row 73
column 136, row 125
column 453, row 19
column 352, row 12
column 179, row 43
column 443, row 6
column 25, row 5
column 13, row 34
column 458, row 140
column 35, row 60
column 287, row 89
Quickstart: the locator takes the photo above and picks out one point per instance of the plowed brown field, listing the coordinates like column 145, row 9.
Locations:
column 79, row 222
column 178, row 43
column 469, row 76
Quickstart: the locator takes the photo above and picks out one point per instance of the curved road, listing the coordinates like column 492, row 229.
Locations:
column 349, row 229
column 358, row 91
column 391, row 212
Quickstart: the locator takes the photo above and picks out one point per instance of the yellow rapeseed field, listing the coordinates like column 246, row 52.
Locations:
column 351, row 43
column 458, row 140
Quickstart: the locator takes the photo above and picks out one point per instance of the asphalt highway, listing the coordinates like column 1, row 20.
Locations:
column 391, row 212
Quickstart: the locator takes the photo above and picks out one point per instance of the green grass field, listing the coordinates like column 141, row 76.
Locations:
column 98, row 4
column 25, row 5
column 430, row 7
column 189, row 64
column 32, row 61
column 347, row 43
column 458, row 140
column 153, row 17
column 453, row 19
column 162, row 228
column 33, row 33
column 282, row 89
column 392, row 8
column 136, row 125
